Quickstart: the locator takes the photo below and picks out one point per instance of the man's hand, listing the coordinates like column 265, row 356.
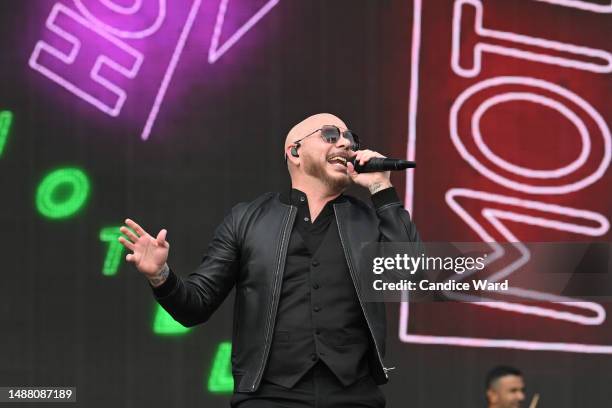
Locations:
column 149, row 254
column 372, row 181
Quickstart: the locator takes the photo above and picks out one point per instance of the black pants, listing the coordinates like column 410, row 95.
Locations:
column 319, row 388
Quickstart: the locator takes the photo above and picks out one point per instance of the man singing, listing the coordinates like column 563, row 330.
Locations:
column 303, row 335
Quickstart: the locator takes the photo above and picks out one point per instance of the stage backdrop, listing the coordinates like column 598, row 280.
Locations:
column 172, row 112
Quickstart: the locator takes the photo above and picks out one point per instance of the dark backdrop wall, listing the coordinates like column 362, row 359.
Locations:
column 172, row 113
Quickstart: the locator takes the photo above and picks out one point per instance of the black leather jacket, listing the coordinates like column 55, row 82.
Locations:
column 248, row 251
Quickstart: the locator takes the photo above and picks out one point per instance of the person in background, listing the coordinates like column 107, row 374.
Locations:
column 505, row 387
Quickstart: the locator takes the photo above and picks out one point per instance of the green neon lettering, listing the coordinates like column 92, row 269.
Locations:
column 221, row 380
column 112, row 260
column 6, row 119
column 62, row 193
column 165, row 325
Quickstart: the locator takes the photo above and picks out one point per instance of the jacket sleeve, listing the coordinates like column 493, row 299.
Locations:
column 394, row 221
column 192, row 300
column 396, row 226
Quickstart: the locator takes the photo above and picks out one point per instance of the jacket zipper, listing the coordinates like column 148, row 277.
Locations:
column 272, row 311
column 350, row 266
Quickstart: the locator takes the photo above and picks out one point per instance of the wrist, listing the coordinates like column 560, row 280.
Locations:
column 160, row 277
column 377, row 186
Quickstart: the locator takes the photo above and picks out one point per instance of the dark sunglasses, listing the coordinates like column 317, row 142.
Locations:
column 331, row 134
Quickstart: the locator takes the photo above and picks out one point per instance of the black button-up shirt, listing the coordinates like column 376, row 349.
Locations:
column 313, row 232
column 319, row 315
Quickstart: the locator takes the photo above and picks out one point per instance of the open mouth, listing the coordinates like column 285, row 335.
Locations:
column 339, row 160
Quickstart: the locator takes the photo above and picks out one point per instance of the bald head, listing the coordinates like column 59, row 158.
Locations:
column 311, row 169
column 310, row 124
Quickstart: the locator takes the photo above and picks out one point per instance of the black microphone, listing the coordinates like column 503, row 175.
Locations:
column 382, row 164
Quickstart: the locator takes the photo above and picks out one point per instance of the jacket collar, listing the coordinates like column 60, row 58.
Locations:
column 296, row 198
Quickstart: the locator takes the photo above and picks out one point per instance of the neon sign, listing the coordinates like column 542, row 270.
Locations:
column 494, row 215
column 106, row 53
column 6, row 119
column 62, row 193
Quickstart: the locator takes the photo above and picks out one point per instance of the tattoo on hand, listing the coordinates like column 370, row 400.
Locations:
column 376, row 187
column 160, row 277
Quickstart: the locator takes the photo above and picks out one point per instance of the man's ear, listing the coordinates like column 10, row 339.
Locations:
column 291, row 152
column 491, row 397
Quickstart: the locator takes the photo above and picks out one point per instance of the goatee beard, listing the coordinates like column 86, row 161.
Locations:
column 312, row 168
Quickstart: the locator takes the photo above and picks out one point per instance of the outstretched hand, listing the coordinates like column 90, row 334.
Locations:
column 149, row 254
